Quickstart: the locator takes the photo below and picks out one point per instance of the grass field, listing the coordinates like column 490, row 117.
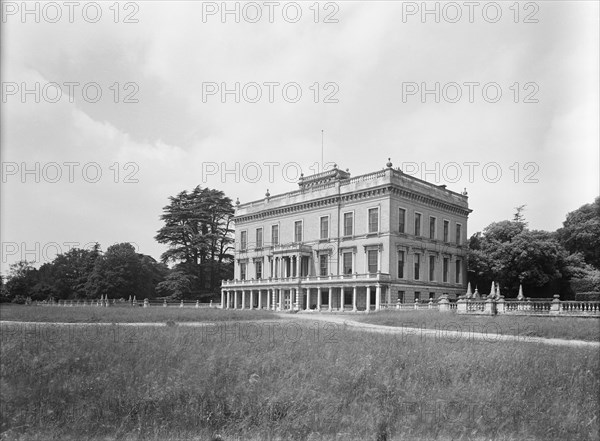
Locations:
column 289, row 380
column 569, row 328
column 126, row 314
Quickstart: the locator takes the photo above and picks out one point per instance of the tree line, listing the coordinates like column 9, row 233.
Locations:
column 197, row 228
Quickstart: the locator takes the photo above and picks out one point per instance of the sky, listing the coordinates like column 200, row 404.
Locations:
column 108, row 109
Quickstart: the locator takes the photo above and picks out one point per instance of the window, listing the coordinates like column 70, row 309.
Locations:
column 417, row 266
column 298, row 231
column 417, row 296
column 432, row 222
column 458, row 270
column 446, row 225
column 401, row 296
column 275, row 234
column 242, row 271
column 417, row 224
column 325, row 227
column 458, row 233
column 347, row 263
column 445, row 270
column 348, row 224
column 323, row 264
column 372, row 257
column 431, row 268
column 402, row 220
column 400, row 264
column 373, row 220
column 431, row 295
column 258, row 267
column 243, row 240
column 259, row 238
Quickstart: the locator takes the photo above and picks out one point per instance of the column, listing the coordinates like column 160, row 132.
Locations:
column 298, row 264
column 268, row 299
column 243, row 299
column 330, row 298
column 307, row 299
column 297, row 292
column 354, row 298
column 259, row 299
column 353, row 262
column 228, row 299
column 377, row 297
column 280, row 299
column 235, row 299
column 222, row 299
column 342, row 298
column 368, row 308
column 274, row 299
column 319, row 298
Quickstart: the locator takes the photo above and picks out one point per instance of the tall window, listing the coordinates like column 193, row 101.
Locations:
column 243, row 240
column 417, row 266
column 402, row 220
column 417, row 224
column 431, row 268
column 298, row 231
column 348, row 224
column 431, row 295
column 275, row 234
column 446, row 225
column 445, row 270
column 325, row 227
column 373, row 220
column 347, row 263
column 400, row 264
column 323, row 264
column 258, row 267
column 259, row 238
column 417, row 296
column 458, row 234
column 372, row 256
column 458, row 270
column 432, row 222
column 242, row 271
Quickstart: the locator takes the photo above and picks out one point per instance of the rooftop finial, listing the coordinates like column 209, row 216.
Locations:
column 267, row 194
column 464, row 193
column 389, row 163
column 237, row 201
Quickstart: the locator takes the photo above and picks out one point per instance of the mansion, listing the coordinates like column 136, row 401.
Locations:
column 342, row 243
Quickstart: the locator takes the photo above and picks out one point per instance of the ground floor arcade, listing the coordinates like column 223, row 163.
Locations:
column 329, row 298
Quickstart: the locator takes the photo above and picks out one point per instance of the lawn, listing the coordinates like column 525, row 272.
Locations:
column 126, row 314
column 291, row 380
column 570, row 328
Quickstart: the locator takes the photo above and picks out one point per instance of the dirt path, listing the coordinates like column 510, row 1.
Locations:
column 451, row 336
column 349, row 323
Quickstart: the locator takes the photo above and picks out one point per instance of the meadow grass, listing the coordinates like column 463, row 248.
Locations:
column 126, row 314
column 291, row 380
column 570, row 328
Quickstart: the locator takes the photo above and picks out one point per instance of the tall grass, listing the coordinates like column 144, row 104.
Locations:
column 571, row 328
column 126, row 314
column 292, row 381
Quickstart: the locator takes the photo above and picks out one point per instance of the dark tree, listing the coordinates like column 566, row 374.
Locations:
column 197, row 228
column 581, row 232
column 121, row 272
